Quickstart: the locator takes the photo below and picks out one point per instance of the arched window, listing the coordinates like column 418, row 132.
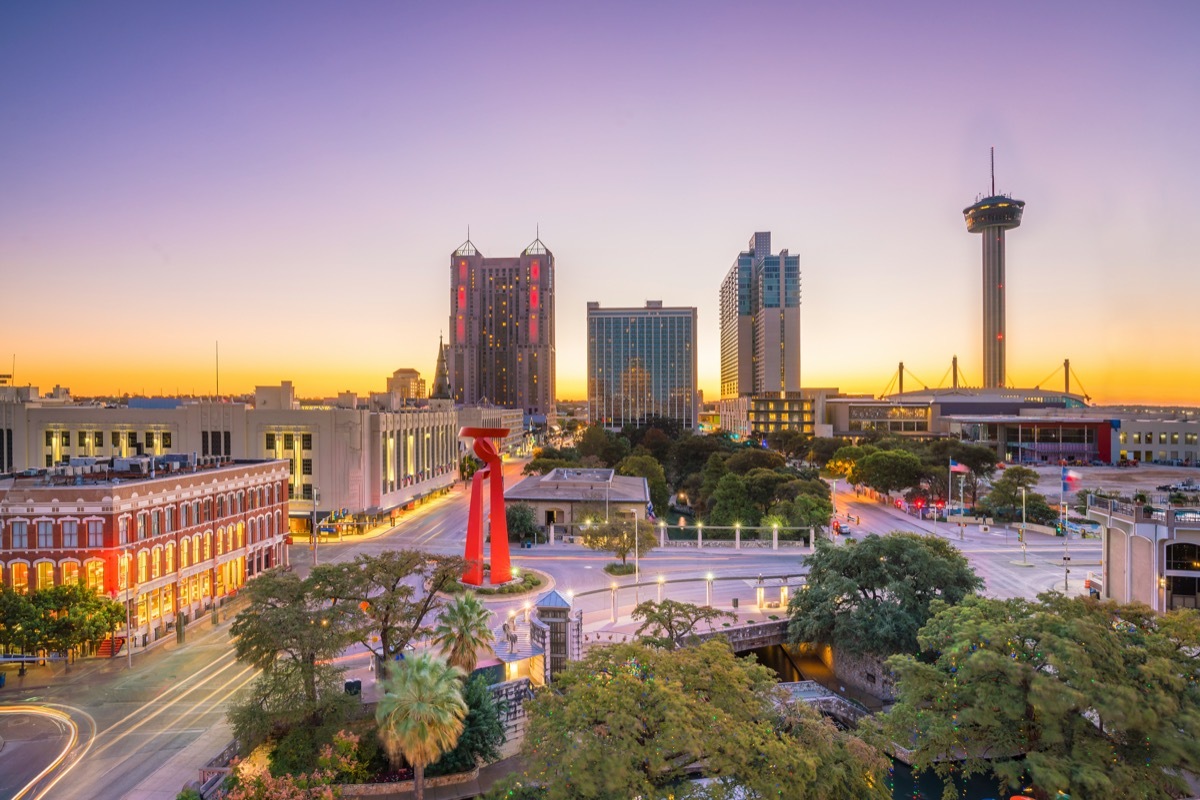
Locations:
column 196, row 549
column 45, row 574
column 220, row 541
column 184, row 552
column 156, row 563
column 95, row 575
column 70, row 572
column 208, row 545
column 143, row 566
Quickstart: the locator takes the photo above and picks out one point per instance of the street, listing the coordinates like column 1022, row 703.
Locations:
column 131, row 722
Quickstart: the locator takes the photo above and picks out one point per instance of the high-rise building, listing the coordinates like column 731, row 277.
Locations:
column 641, row 365
column 760, row 322
column 991, row 216
column 502, row 330
column 760, row 342
column 407, row 383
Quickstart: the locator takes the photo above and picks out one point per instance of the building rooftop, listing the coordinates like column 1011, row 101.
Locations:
column 109, row 472
column 580, row 485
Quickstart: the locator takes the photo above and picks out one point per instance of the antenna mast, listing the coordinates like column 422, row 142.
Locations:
column 993, row 170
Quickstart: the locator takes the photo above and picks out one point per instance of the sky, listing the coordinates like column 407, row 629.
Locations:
column 290, row 179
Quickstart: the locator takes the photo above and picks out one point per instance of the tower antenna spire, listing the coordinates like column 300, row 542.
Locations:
column 993, row 170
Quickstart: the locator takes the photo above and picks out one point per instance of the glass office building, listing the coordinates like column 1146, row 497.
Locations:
column 641, row 365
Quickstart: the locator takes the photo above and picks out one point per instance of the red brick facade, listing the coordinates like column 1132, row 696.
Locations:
column 167, row 545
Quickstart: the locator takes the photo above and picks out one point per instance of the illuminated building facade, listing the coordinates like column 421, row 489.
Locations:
column 760, row 343
column 641, row 364
column 168, row 536
column 501, row 347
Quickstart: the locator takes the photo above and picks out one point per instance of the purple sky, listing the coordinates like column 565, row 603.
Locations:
column 290, row 179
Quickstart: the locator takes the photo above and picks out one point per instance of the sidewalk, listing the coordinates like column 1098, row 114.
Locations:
column 181, row 769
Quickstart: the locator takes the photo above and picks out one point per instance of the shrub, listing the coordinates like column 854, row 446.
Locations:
column 619, row 569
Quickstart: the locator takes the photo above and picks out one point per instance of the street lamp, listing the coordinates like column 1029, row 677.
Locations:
column 128, row 621
column 315, row 541
column 708, row 581
column 661, row 580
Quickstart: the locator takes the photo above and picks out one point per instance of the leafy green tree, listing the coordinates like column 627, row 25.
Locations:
column 631, row 720
column 657, row 444
column 522, row 522
column 1073, row 695
column 873, row 596
column 692, row 452
column 888, row 471
column 798, row 486
column 542, row 466
column 390, row 595
column 609, row 447
column 463, row 629
column 751, row 458
column 482, row 733
column 645, row 466
column 1004, row 500
column 710, row 476
column 763, row 485
column 671, row 624
column 806, row 511
column 421, row 713
column 845, row 458
column 731, row 504
column 821, row 450
column 617, row 537
column 289, row 625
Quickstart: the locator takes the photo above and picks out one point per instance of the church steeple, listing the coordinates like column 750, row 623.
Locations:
column 441, row 375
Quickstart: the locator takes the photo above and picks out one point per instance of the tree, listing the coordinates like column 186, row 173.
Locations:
column 751, row 458
column 762, row 485
column 1004, row 499
column 631, row 720
column 289, row 625
column 463, row 630
column 731, row 504
column 618, row 538
column 873, row 596
column 692, row 452
column 671, row 624
column 658, row 444
column 542, row 466
column 843, row 460
column 482, row 733
column 421, row 713
column 821, row 450
column 806, row 511
column 522, row 522
column 1074, row 695
column 609, row 447
column 645, row 466
column 390, row 594
column 888, row 471
column 710, row 476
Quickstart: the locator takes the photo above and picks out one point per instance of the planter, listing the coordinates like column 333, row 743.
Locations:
column 400, row 787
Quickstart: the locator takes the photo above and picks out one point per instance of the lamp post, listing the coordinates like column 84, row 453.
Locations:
column 637, row 573
column 661, row 580
column 1022, row 537
column 708, row 581
column 316, row 499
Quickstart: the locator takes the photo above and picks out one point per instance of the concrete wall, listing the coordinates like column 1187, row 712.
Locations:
column 1144, row 586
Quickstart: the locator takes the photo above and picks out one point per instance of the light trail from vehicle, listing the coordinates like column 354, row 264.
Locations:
column 59, row 717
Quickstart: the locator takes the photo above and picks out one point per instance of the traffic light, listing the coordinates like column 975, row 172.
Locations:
column 919, row 503
column 941, row 504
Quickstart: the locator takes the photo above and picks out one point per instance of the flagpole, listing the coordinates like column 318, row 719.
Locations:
column 1062, row 511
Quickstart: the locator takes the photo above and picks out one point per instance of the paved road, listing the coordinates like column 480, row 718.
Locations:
column 173, row 694
column 32, row 741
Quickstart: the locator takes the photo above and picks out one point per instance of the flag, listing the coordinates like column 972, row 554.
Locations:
column 1069, row 479
column 650, row 511
column 957, row 467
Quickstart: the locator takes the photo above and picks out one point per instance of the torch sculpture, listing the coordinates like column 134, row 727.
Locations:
column 501, row 568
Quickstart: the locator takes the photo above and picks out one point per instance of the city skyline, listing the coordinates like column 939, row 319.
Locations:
column 291, row 184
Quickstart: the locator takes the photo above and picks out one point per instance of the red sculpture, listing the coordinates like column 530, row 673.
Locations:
column 501, row 568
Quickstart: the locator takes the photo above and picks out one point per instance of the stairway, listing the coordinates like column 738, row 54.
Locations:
column 110, row 647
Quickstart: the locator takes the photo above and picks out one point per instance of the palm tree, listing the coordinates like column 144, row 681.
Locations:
column 462, row 630
column 420, row 715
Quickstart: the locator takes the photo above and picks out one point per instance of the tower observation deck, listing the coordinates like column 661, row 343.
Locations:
column 991, row 217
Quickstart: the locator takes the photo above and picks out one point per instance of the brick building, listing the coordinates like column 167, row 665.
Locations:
column 166, row 536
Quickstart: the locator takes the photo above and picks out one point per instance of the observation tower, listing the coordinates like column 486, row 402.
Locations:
column 991, row 216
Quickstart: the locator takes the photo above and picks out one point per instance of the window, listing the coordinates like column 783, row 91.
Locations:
column 1162, row 438
column 208, row 546
column 45, row 531
column 196, row 548
column 170, row 557
column 45, row 575
column 184, row 552
column 149, row 439
column 82, row 438
column 95, row 575
column 308, row 491
column 203, row 443
column 70, row 572
column 20, row 535
column 228, row 435
column 220, row 507
column 306, row 466
column 154, row 523
column 98, row 439
column 220, row 542
column 289, row 441
column 20, row 578
column 306, row 441
column 49, row 438
column 66, row 438
column 116, row 438
column 131, row 438
column 166, row 440
column 270, row 442
column 70, row 530
column 169, row 519
column 141, row 526
column 156, row 563
column 95, row 533
column 123, row 530
column 143, row 567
